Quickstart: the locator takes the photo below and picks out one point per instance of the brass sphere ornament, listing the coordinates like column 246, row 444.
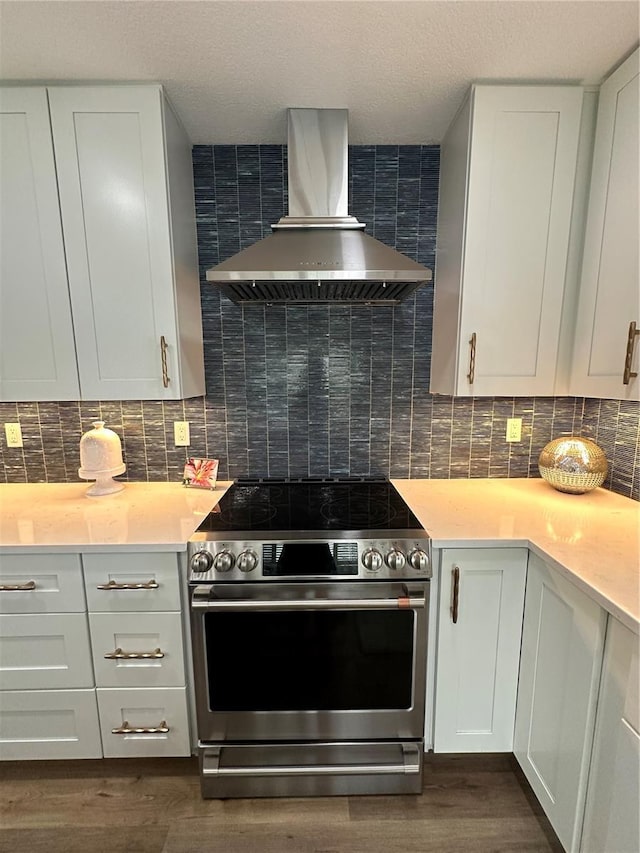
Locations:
column 573, row 464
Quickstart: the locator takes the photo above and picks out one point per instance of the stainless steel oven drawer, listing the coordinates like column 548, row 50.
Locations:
column 310, row 770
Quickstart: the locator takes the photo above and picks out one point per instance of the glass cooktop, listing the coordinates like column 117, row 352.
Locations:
column 323, row 504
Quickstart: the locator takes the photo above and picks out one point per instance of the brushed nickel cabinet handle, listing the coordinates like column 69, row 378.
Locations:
column 115, row 585
column 456, row 593
column 18, row 587
column 628, row 357
column 126, row 729
column 471, row 375
column 163, row 354
column 118, row 654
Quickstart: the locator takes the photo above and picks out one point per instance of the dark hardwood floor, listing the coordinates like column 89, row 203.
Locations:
column 475, row 803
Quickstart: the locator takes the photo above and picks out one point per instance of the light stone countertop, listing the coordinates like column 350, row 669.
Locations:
column 592, row 539
column 56, row 517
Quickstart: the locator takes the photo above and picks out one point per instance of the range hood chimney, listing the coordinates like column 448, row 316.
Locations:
column 318, row 253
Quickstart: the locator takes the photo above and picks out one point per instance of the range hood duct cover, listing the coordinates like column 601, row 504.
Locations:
column 318, row 253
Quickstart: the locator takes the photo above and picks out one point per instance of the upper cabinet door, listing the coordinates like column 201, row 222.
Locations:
column 37, row 352
column 508, row 168
column 610, row 294
column 110, row 154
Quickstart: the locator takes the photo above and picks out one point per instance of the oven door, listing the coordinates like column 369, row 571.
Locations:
column 310, row 662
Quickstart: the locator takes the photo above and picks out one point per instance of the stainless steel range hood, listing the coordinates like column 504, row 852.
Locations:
column 318, row 253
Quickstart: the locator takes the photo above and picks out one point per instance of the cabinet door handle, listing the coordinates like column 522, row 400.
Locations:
column 628, row 357
column 118, row 654
column 115, row 585
column 17, row 587
column 456, row 593
column 164, row 346
column 126, row 729
column 471, row 375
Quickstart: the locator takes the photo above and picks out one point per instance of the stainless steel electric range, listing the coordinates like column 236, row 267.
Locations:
column 309, row 609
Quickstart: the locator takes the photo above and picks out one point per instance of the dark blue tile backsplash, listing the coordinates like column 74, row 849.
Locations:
column 317, row 390
column 322, row 390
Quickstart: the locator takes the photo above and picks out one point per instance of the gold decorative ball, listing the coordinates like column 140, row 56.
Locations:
column 573, row 464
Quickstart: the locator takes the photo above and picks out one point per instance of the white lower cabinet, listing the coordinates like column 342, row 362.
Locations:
column 49, row 724
column 561, row 658
column 478, row 654
column 45, row 651
column 137, row 649
column 70, row 678
column 47, row 695
column 612, row 814
column 142, row 723
column 137, row 582
column 41, row 583
column 138, row 653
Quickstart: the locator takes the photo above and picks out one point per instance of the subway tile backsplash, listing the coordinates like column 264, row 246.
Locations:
column 321, row 390
column 456, row 437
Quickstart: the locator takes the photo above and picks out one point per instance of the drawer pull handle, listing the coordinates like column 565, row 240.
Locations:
column 115, row 585
column 118, row 654
column 628, row 356
column 456, row 594
column 18, row 587
column 126, row 729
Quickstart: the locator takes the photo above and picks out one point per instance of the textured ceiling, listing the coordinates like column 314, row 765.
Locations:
column 232, row 68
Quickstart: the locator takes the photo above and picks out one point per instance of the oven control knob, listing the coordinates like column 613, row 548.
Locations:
column 395, row 559
column 201, row 562
column 419, row 560
column 247, row 561
column 223, row 561
column 372, row 560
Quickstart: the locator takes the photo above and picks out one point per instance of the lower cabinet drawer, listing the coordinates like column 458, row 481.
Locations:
column 134, row 581
column 125, row 714
column 49, row 724
column 41, row 583
column 40, row 651
column 137, row 649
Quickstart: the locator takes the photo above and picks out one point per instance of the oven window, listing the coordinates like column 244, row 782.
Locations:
column 324, row 661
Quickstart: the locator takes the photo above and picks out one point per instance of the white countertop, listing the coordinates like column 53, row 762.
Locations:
column 593, row 539
column 59, row 517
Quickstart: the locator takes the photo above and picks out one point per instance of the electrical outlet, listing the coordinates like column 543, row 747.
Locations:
column 514, row 429
column 181, row 437
column 13, row 434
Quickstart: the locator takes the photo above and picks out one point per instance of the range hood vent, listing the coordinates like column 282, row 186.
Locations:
column 318, row 253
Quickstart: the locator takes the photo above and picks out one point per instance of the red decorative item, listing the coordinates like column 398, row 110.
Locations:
column 201, row 473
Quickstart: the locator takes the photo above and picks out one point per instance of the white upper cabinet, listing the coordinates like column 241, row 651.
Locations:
column 125, row 194
column 37, row 352
column 610, row 290
column 507, row 179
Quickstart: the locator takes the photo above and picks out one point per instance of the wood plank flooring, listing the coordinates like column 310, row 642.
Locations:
column 474, row 803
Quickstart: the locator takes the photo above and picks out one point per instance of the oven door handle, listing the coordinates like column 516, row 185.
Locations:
column 410, row 765
column 202, row 601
